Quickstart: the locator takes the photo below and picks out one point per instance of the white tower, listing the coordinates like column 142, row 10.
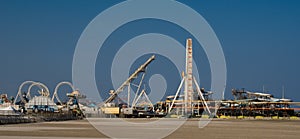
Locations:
column 188, row 80
column 188, row 88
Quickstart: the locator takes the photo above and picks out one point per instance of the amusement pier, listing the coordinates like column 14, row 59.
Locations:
column 189, row 101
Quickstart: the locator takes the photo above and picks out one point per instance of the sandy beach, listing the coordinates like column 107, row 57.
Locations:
column 215, row 129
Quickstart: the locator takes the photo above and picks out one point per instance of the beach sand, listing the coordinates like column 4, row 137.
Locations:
column 215, row 129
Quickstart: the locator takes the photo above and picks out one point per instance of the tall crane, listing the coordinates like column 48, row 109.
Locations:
column 134, row 75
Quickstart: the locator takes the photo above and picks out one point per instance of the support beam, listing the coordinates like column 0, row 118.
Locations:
column 138, row 89
column 201, row 95
column 177, row 92
column 129, row 79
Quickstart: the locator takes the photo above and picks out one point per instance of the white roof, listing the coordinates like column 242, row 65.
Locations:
column 172, row 96
column 8, row 111
column 258, row 94
column 9, row 108
column 41, row 100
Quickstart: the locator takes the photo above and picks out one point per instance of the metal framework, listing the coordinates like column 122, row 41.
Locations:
column 129, row 79
column 189, row 81
column 146, row 96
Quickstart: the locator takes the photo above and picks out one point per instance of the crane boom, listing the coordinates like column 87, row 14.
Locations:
column 129, row 79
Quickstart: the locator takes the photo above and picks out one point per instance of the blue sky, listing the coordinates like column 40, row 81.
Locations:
column 260, row 40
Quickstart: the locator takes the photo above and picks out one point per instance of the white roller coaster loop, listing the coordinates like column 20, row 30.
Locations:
column 56, row 89
column 41, row 86
column 19, row 94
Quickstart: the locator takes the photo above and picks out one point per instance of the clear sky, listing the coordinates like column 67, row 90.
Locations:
column 260, row 40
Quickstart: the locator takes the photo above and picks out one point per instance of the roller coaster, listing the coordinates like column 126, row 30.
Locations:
column 43, row 103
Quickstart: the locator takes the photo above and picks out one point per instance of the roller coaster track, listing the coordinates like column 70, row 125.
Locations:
column 56, row 89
